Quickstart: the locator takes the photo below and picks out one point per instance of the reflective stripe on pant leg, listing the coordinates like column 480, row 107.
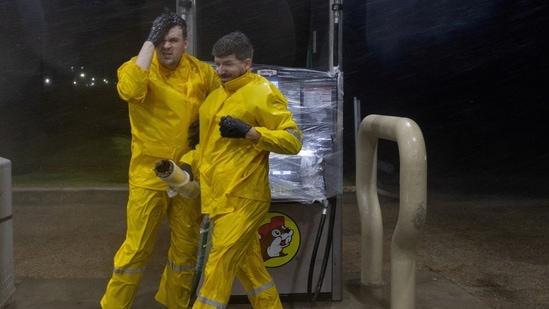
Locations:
column 233, row 234
column 121, row 289
column 173, row 291
column 184, row 217
column 202, row 302
column 145, row 210
column 265, row 297
column 259, row 290
column 256, row 280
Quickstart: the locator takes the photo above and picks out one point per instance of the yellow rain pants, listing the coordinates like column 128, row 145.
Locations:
column 236, row 252
column 146, row 209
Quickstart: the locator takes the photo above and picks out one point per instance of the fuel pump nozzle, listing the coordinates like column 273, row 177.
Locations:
column 177, row 179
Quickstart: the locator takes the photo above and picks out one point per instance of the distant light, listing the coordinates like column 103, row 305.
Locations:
column 105, row 81
column 74, row 83
column 47, row 81
column 82, row 75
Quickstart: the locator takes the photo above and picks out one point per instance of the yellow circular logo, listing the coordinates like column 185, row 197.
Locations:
column 279, row 239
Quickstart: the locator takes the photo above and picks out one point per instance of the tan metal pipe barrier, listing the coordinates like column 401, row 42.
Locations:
column 412, row 209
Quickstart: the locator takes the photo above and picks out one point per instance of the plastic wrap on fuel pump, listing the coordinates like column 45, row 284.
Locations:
column 316, row 173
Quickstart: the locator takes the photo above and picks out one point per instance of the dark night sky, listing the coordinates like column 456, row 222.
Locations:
column 471, row 73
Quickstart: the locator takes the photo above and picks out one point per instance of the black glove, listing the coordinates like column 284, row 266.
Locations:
column 187, row 168
column 231, row 127
column 159, row 29
column 194, row 135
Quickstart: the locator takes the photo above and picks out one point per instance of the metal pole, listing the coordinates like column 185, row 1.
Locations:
column 187, row 10
column 334, row 59
column 357, row 114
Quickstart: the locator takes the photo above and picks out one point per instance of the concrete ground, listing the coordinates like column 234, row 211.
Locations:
column 476, row 251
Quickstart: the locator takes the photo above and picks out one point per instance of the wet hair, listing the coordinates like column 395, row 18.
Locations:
column 176, row 20
column 236, row 43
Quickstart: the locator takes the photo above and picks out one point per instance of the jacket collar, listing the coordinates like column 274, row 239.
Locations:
column 239, row 82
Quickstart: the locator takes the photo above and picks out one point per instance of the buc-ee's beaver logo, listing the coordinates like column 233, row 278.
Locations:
column 279, row 239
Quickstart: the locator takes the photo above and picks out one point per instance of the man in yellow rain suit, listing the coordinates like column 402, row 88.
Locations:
column 164, row 87
column 240, row 124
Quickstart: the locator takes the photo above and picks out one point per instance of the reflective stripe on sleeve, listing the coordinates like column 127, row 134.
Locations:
column 294, row 133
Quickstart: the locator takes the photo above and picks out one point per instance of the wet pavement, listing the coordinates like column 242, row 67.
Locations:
column 476, row 251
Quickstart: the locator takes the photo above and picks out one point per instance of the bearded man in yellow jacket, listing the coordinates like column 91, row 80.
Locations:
column 164, row 87
column 240, row 124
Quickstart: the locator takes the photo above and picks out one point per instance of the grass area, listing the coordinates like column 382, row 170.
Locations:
column 347, row 182
column 92, row 162
column 66, row 179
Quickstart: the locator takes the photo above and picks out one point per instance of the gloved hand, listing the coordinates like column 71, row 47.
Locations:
column 187, row 168
column 231, row 127
column 194, row 135
column 159, row 29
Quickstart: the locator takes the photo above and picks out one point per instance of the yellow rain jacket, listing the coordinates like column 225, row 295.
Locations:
column 236, row 166
column 162, row 105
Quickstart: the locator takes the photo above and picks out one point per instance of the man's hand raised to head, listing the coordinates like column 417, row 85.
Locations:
column 159, row 29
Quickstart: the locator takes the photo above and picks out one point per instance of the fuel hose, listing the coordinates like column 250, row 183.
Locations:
column 326, row 205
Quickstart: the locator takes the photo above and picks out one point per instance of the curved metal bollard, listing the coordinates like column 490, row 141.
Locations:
column 412, row 209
